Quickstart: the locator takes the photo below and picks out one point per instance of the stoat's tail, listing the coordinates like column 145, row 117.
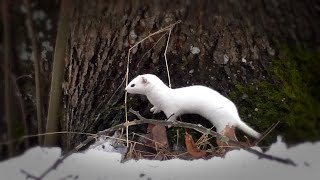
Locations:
column 245, row 128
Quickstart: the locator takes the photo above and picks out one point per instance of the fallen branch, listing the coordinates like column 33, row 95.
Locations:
column 204, row 130
column 143, row 120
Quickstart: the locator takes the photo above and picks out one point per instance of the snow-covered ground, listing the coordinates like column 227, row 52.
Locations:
column 97, row 164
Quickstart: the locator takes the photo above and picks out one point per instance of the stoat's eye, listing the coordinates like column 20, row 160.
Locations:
column 132, row 85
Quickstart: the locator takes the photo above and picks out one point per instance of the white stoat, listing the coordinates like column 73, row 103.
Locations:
column 201, row 100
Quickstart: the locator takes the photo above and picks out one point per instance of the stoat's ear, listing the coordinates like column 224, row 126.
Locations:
column 144, row 80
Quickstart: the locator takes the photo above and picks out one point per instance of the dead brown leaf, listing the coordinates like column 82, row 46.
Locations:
column 191, row 147
column 159, row 135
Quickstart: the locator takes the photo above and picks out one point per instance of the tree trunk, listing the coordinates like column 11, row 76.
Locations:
column 238, row 41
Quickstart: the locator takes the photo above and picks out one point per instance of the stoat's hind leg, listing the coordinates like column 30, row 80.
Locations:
column 229, row 132
column 224, row 145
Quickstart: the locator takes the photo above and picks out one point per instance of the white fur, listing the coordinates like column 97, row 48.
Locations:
column 201, row 100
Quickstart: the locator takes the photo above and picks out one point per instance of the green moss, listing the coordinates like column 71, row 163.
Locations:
column 290, row 96
column 18, row 129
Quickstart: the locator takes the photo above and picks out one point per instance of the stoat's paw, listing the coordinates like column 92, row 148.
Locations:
column 171, row 120
column 154, row 110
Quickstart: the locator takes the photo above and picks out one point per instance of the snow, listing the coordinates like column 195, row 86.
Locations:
column 96, row 163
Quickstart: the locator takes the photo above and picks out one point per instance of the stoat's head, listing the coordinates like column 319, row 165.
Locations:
column 142, row 84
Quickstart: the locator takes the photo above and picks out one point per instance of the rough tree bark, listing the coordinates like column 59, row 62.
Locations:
column 237, row 42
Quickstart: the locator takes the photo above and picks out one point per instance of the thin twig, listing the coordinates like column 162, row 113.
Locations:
column 150, row 49
column 116, row 91
column 28, row 175
column 155, row 142
column 43, row 134
column 24, row 76
column 256, row 142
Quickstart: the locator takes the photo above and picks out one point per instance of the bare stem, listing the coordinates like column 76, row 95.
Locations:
column 165, row 57
column 7, row 70
column 128, row 65
column 66, row 12
column 36, row 61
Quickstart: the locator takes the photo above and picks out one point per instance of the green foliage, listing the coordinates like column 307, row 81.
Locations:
column 291, row 97
column 176, row 134
column 19, row 130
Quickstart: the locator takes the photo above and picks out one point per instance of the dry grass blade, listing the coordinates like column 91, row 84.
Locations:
column 157, row 144
column 150, row 49
column 128, row 65
column 165, row 58
column 266, row 133
column 203, row 142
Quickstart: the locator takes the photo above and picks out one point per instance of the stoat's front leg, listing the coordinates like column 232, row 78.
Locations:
column 171, row 118
column 155, row 110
